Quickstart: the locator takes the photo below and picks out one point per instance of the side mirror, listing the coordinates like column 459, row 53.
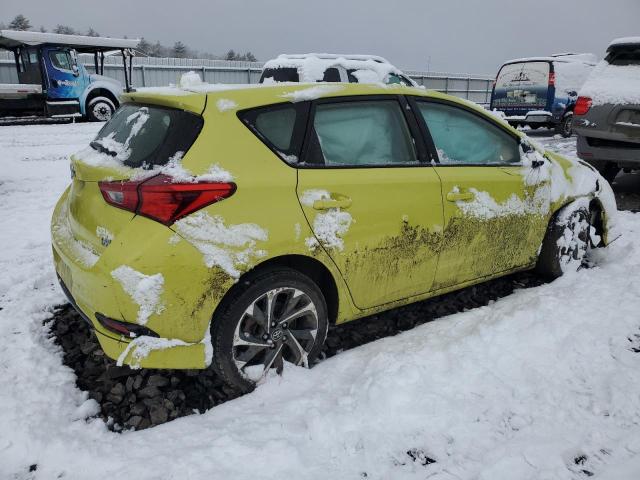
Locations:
column 75, row 69
column 572, row 93
column 537, row 163
column 526, row 146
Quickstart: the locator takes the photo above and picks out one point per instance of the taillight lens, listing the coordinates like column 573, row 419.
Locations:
column 552, row 79
column 160, row 199
column 583, row 105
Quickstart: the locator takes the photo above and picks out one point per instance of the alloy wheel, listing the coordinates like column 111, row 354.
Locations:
column 280, row 325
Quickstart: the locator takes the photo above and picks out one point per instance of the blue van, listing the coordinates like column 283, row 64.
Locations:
column 541, row 91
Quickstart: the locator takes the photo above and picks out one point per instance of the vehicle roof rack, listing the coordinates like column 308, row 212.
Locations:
column 12, row 39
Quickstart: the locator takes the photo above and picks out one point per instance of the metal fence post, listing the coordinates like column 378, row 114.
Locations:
column 204, row 73
column 446, row 85
column 468, row 87
column 144, row 80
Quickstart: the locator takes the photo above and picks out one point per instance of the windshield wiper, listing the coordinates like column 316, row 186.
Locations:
column 96, row 145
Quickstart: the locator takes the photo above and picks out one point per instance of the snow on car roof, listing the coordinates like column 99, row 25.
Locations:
column 625, row 41
column 588, row 58
column 13, row 38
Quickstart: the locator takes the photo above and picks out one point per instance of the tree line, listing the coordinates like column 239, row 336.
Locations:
column 178, row 50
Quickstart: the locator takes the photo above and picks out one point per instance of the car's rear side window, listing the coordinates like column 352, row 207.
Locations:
column 280, row 127
column 360, row 133
column 623, row 56
column 147, row 135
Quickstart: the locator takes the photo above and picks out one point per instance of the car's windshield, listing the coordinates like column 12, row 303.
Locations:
column 145, row 135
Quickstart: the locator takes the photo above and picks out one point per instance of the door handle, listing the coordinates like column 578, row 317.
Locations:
column 460, row 196
column 332, row 203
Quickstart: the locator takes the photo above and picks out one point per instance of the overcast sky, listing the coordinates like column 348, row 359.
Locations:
column 466, row 36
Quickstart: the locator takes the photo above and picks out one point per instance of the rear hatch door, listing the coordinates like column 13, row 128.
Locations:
column 522, row 87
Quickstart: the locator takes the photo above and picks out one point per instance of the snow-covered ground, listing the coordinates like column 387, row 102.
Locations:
column 518, row 389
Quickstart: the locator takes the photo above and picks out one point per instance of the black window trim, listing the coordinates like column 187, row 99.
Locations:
column 414, row 132
column 414, row 100
column 248, row 116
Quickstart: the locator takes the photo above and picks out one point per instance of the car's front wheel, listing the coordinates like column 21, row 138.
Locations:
column 275, row 317
column 566, row 242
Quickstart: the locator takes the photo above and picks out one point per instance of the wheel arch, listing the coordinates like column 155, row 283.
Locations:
column 309, row 266
column 98, row 91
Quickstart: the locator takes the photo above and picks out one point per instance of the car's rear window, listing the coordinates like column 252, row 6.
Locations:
column 284, row 74
column 147, row 135
column 623, row 56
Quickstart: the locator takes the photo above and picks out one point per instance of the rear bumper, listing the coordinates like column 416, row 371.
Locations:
column 532, row 118
column 598, row 151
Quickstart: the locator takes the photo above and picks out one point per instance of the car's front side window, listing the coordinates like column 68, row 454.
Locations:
column 463, row 138
column 361, row 133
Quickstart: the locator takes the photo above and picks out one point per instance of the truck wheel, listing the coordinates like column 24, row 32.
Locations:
column 566, row 242
column 279, row 316
column 100, row 109
column 565, row 127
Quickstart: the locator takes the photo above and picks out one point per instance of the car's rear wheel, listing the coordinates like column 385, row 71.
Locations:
column 275, row 317
column 566, row 243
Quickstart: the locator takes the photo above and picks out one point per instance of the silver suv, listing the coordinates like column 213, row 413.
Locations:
column 607, row 112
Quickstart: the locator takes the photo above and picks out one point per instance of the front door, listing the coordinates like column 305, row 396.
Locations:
column 495, row 212
column 374, row 206
column 65, row 81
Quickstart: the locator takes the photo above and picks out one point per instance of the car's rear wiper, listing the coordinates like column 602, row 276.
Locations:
column 96, row 145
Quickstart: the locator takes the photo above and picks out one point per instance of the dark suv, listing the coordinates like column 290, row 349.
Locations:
column 607, row 113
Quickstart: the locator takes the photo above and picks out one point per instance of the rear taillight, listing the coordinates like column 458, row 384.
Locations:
column 552, row 79
column 583, row 105
column 160, row 199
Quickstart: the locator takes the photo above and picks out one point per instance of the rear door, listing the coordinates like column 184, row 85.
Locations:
column 493, row 214
column 372, row 202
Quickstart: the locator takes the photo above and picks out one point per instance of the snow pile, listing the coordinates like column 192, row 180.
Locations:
column 144, row 345
column 613, row 84
column 144, row 290
column 61, row 230
column 570, row 241
column 190, row 79
column 224, row 104
column 328, row 226
column 229, row 247
column 312, row 93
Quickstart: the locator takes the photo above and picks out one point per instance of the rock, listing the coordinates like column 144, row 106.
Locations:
column 175, row 381
column 137, row 383
column 117, row 372
column 116, row 394
column 129, row 383
column 138, row 409
column 158, row 414
column 149, row 392
column 157, row 381
column 134, row 421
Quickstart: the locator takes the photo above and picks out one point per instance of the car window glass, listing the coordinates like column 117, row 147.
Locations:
column 362, row 133
column 331, row 75
column 392, row 78
column 461, row 137
column 277, row 126
column 351, row 77
column 60, row 60
column 283, row 74
column 624, row 56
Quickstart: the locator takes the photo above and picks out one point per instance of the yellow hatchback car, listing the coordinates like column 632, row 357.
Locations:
column 229, row 227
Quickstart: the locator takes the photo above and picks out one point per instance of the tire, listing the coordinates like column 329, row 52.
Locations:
column 565, row 127
column 100, row 109
column 566, row 242
column 238, row 336
column 609, row 171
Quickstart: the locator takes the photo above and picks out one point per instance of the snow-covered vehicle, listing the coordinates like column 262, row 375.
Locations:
column 607, row 114
column 326, row 67
column 541, row 91
column 52, row 83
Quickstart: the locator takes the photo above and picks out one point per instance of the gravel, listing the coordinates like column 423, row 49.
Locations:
column 139, row 399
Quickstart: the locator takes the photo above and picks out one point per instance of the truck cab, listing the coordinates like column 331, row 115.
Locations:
column 541, row 91
column 53, row 83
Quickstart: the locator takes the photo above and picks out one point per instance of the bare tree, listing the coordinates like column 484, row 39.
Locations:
column 64, row 29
